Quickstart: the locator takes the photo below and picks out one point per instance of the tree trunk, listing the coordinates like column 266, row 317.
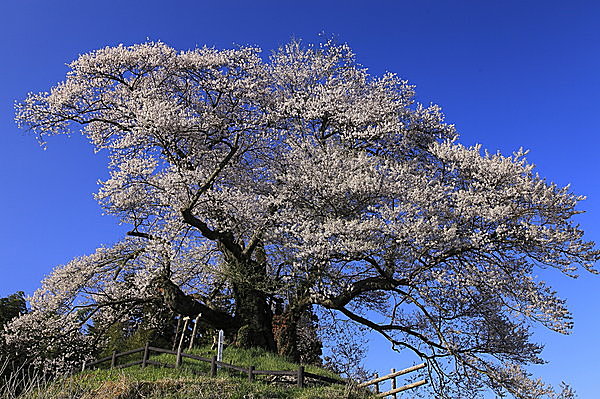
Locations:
column 296, row 335
column 248, row 277
column 252, row 311
column 286, row 333
column 252, row 323
column 254, row 317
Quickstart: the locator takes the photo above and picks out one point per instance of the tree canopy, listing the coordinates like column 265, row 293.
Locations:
column 12, row 306
column 260, row 187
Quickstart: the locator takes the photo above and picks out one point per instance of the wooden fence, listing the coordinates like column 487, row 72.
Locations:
column 393, row 376
column 300, row 375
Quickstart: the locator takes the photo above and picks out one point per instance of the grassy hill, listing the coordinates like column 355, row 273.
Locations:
column 192, row 382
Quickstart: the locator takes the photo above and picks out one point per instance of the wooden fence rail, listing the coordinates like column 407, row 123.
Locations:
column 300, row 375
column 393, row 376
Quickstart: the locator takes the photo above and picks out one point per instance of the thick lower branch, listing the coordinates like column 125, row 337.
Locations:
column 368, row 284
column 186, row 305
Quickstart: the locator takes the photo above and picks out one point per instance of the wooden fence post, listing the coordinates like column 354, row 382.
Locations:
column 186, row 321
column 113, row 361
column 301, row 377
column 376, row 384
column 251, row 373
column 194, row 332
column 146, row 353
column 183, row 331
column 213, row 366
column 176, row 333
column 178, row 358
column 394, row 383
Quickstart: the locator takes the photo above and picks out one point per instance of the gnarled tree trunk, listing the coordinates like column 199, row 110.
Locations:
column 252, row 311
column 252, row 324
column 296, row 335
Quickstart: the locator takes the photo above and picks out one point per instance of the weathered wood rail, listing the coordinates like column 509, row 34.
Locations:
column 393, row 376
column 300, row 375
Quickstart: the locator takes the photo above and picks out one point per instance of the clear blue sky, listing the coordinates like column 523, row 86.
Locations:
column 509, row 74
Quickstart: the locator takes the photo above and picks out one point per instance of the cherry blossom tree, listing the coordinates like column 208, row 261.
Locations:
column 297, row 182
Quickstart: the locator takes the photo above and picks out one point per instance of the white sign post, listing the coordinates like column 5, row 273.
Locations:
column 220, row 347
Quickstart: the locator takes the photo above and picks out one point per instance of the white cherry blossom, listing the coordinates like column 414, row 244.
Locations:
column 303, row 178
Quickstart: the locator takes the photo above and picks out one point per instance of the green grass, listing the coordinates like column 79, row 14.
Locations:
column 191, row 381
column 259, row 358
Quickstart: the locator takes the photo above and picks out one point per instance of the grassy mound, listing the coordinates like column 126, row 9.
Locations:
column 191, row 381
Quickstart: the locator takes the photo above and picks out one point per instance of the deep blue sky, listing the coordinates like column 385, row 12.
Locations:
column 509, row 74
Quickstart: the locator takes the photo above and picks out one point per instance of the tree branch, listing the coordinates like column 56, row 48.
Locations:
column 377, row 327
column 213, row 176
column 134, row 233
column 184, row 304
column 360, row 287
column 225, row 238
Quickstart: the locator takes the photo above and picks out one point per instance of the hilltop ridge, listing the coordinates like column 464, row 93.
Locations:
column 192, row 382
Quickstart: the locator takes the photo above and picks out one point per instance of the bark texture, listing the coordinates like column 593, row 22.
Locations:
column 295, row 332
column 252, row 311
